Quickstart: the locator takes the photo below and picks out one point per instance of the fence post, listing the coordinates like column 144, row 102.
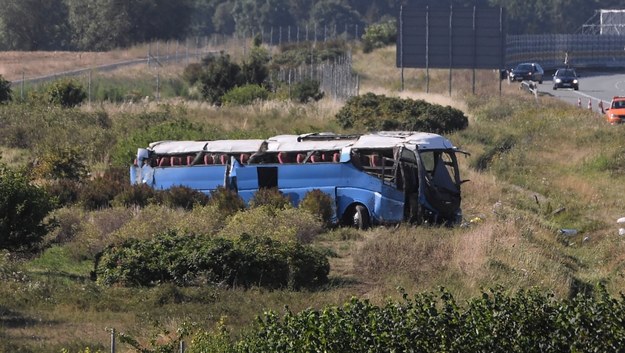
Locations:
column 182, row 347
column 112, row 340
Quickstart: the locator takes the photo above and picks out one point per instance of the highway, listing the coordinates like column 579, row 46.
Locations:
column 593, row 86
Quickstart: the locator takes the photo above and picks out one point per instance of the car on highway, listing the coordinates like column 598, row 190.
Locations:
column 615, row 113
column 527, row 72
column 566, row 78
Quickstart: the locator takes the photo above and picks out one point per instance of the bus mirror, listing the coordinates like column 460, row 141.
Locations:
column 142, row 154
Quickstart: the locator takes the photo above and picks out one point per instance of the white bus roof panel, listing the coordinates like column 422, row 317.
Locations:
column 390, row 139
column 226, row 146
column 290, row 143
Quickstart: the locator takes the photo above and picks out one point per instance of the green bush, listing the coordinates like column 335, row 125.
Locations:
column 220, row 75
column 6, row 93
column 246, row 261
column 379, row 35
column 271, row 197
column 244, row 95
column 319, row 204
column 183, row 197
column 192, row 73
column 66, row 93
column 23, row 209
column 306, row 91
column 286, row 224
column 371, row 112
column 61, row 163
column 136, row 195
column 66, row 192
column 226, row 200
column 100, row 191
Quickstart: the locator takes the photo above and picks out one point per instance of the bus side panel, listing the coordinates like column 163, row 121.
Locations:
column 201, row 178
column 247, row 181
column 383, row 209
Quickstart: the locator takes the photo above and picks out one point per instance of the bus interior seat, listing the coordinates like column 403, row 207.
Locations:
column 301, row 157
column 283, row 157
column 244, row 158
column 315, row 158
column 176, row 161
column 336, row 157
column 164, row 161
column 190, row 160
column 208, row 159
column 223, row 159
column 374, row 160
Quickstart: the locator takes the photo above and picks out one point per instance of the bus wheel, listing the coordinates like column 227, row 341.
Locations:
column 360, row 217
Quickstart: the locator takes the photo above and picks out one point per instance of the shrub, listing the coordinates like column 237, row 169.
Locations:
column 100, row 191
column 226, row 200
column 244, row 95
column 306, row 91
column 192, row 73
column 65, row 191
column 183, row 197
column 379, row 35
column 136, row 195
column 287, row 224
column 219, row 76
column 372, row 112
column 271, row 197
column 254, row 69
column 66, row 93
column 23, row 208
column 246, row 261
column 6, row 93
column 319, row 204
column 61, row 163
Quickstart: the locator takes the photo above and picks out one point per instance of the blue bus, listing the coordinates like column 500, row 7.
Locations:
column 377, row 178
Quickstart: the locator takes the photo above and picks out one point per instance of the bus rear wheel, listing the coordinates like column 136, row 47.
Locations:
column 359, row 217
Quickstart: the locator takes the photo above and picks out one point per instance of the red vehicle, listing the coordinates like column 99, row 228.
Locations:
column 615, row 113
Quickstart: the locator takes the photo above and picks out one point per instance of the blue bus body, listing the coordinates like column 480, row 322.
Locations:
column 384, row 178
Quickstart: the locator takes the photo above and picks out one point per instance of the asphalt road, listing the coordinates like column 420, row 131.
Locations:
column 593, row 86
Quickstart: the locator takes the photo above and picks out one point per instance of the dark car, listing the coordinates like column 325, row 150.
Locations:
column 566, row 78
column 527, row 72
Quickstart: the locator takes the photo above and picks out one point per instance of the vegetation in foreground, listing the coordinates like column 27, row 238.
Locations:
column 535, row 168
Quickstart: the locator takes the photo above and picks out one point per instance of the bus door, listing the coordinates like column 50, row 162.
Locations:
column 407, row 177
column 247, row 179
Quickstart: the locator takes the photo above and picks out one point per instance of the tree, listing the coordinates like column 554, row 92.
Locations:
column 100, row 24
column 252, row 16
column 331, row 15
column 34, row 24
column 23, row 208
column 219, row 76
column 5, row 90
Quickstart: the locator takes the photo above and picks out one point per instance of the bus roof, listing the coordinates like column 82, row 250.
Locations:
column 225, row 146
column 307, row 142
column 390, row 139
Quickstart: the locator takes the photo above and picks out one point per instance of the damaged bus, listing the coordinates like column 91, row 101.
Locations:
column 376, row 178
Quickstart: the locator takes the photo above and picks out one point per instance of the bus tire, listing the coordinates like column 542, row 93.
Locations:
column 359, row 217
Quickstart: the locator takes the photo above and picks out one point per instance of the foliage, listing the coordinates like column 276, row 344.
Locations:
column 192, row 73
column 183, row 197
column 306, row 91
column 220, row 75
column 379, row 35
column 23, row 208
column 292, row 55
column 271, row 197
column 254, row 68
column 285, row 224
column 246, row 261
column 6, row 93
column 139, row 195
column 100, row 191
column 226, row 200
column 61, row 163
column 373, row 112
column 319, row 204
column 245, row 95
column 64, row 191
column 66, row 93
column 525, row 322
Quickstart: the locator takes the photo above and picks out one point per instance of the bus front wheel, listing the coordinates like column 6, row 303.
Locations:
column 359, row 217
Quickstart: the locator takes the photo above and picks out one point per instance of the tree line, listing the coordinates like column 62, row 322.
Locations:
column 105, row 24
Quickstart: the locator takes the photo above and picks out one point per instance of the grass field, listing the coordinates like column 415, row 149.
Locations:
column 536, row 166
